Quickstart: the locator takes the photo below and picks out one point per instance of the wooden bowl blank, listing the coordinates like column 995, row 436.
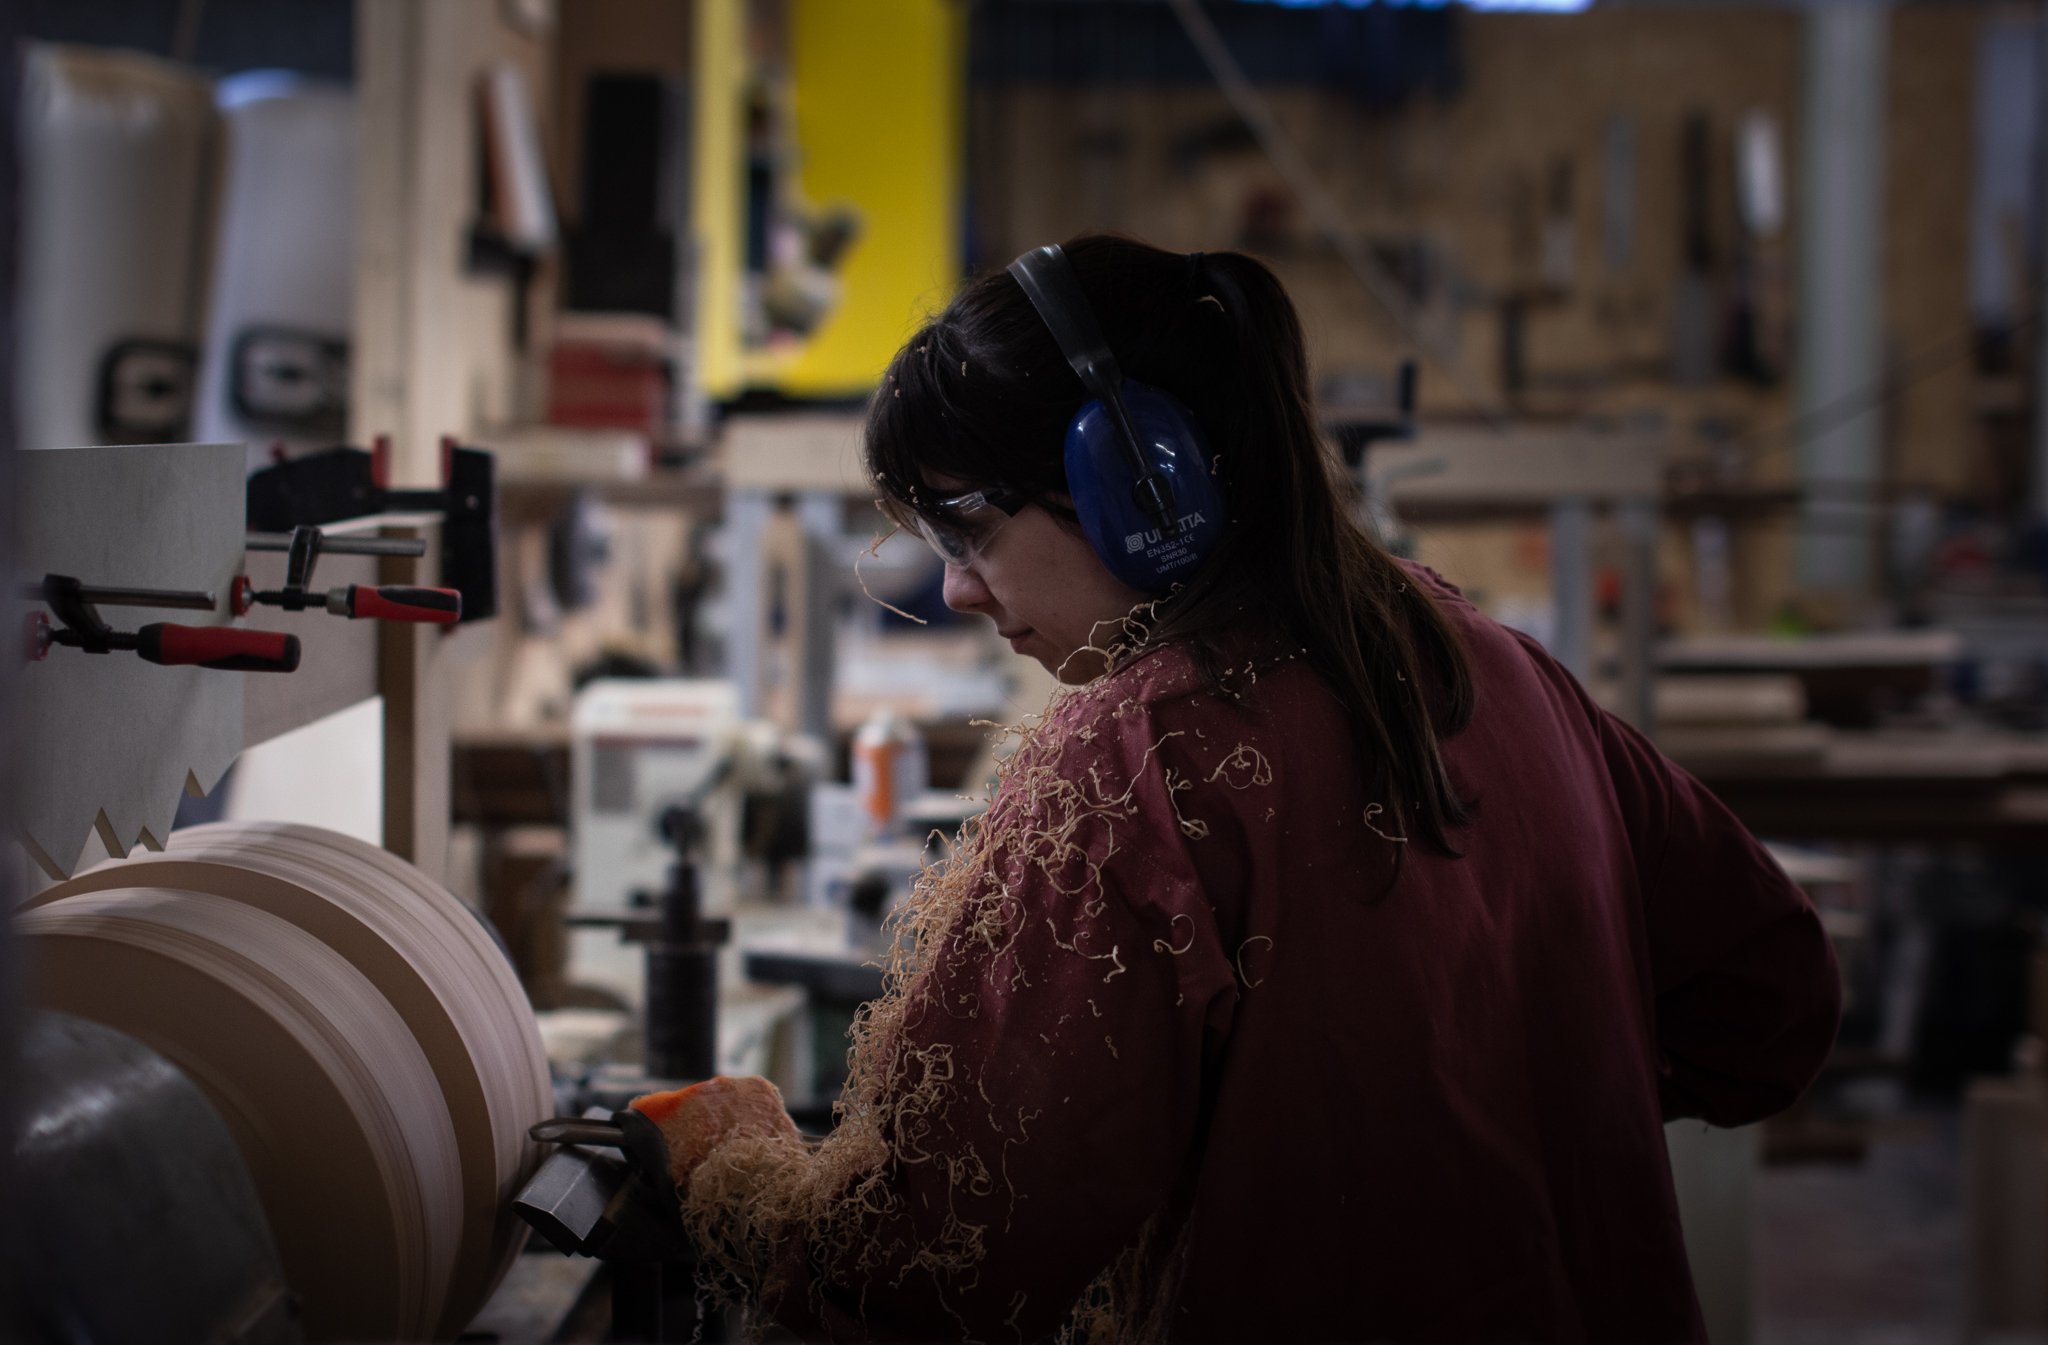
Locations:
column 454, row 950
column 331, row 1099
column 434, row 964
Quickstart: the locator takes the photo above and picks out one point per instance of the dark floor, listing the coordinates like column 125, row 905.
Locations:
column 1870, row 1252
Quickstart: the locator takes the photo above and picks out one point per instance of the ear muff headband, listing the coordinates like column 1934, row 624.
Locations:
column 1049, row 282
column 1138, row 468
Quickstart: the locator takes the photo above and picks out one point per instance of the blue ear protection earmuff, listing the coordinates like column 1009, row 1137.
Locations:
column 1137, row 465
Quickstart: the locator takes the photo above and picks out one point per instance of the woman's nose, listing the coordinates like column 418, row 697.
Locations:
column 964, row 591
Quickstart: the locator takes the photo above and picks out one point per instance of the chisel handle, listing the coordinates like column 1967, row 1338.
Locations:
column 400, row 602
column 225, row 647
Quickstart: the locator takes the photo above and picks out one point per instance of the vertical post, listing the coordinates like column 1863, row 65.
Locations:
column 1571, row 585
column 13, row 871
column 2038, row 487
column 746, row 592
column 820, row 513
column 387, row 48
column 1637, row 520
column 416, row 750
column 1842, row 197
column 718, row 148
column 431, row 352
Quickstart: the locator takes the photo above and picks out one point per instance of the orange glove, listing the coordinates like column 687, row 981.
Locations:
column 697, row 1119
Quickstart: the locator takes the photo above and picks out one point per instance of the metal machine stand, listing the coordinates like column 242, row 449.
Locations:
column 682, row 964
column 607, row 1191
column 680, row 1019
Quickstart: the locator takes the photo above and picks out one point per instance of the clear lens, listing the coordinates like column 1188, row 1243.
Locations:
column 954, row 547
column 964, row 528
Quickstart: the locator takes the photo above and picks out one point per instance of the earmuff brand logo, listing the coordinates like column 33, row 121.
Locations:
column 1138, row 541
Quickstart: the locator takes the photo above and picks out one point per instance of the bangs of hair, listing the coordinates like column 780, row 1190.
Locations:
column 914, row 431
column 948, row 418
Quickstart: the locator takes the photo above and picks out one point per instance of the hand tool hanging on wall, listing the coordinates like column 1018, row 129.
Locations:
column 1755, row 342
column 1693, row 321
column 1618, row 196
column 386, row 602
column 75, row 606
column 346, row 482
column 146, row 389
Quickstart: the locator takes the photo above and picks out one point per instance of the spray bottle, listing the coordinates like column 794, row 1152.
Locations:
column 889, row 770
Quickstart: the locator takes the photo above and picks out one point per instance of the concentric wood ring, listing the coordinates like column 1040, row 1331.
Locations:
column 435, row 966
column 332, row 1101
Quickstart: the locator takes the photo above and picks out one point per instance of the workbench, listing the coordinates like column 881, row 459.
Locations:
column 1932, row 786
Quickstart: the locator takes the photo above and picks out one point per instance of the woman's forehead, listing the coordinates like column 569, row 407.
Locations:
column 932, row 489
column 902, row 499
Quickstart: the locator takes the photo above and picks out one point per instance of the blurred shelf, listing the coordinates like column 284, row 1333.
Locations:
column 1898, row 786
column 695, row 490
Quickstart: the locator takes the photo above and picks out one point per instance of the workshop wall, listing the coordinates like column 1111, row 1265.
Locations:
column 1932, row 430
column 646, row 37
column 1456, row 184
column 1460, row 176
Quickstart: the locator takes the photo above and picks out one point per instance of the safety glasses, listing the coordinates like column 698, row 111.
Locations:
column 960, row 529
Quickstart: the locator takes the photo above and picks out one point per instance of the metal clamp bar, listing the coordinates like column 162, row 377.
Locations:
column 343, row 546
column 197, row 600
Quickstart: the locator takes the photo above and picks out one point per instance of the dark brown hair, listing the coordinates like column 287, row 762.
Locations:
column 982, row 395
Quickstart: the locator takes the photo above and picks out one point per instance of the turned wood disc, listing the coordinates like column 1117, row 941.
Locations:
column 329, row 1095
column 436, row 966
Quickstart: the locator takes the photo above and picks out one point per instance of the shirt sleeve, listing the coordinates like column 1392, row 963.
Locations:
column 1045, row 1082
column 1746, row 990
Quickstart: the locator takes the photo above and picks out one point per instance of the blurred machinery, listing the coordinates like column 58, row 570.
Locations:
column 637, row 750
column 643, row 752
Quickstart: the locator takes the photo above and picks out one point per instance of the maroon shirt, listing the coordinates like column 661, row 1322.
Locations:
column 1334, row 1110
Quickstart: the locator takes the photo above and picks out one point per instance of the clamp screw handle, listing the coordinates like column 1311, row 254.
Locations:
column 396, row 602
column 37, row 636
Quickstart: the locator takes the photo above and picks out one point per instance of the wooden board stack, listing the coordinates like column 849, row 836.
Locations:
column 361, row 1034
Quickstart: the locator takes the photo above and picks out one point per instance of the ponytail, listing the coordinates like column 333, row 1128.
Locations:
column 1294, row 549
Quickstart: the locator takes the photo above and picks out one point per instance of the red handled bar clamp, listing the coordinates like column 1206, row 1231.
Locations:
column 225, row 647
column 324, row 488
column 390, row 602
